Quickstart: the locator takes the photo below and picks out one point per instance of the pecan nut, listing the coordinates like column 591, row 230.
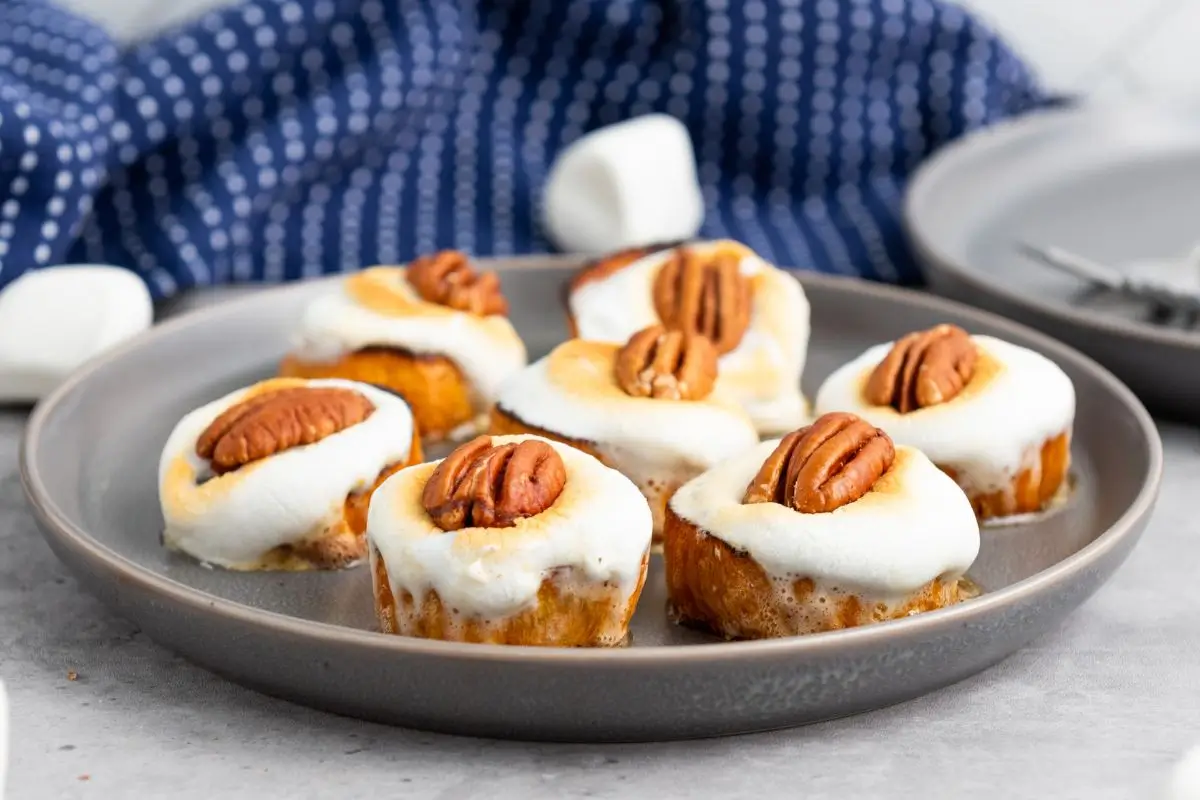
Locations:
column 484, row 486
column 279, row 420
column 923, row 369
column 704, row 294
column 667, row 365
column 447, row 278
column 824, row 466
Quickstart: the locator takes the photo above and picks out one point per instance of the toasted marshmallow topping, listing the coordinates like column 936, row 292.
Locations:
column 990, row 431
column 378, row 307
column 762, row 373
column 235, row 519
column 600, row 526
column 572, row 392
column 914, row 525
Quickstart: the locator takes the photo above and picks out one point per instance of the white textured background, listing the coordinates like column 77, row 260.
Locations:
column 1108, row 49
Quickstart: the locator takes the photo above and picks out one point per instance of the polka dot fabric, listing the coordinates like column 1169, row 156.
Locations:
column 278, row 139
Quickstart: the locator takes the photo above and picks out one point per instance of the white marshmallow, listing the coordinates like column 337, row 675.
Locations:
column 599, row 525
column 3, row 737
column 986, row 435
column 629, row 184
column 1184, row 782
column 572, row 392
column 234, row 520
column 53, row 320
column 487, row 349
column 886, row 545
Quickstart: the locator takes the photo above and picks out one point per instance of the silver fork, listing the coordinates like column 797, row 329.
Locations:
column 1176, row 295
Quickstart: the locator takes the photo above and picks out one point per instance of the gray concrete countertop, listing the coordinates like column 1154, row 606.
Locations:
column 1102, row 708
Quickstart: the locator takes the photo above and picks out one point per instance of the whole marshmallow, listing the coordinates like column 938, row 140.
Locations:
column 53, row 320
column 1184, row 783
column 3, row 737
column 624, row 185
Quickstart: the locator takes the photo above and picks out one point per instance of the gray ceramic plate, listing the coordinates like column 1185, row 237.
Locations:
column 89, row 462
column 1117, row 185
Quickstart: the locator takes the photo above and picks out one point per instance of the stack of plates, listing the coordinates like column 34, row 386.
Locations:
column 1115, row 185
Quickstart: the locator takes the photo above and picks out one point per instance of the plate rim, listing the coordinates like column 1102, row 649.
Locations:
column 982, row 143
column 59, row 530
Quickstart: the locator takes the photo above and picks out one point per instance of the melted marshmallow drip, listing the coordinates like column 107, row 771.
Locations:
column 987, row 436
column 235, row 519
column 612, row 631
column 762, row 372
column 487, row 349
column 886, row 545
column 600, row 527
column 820, row 608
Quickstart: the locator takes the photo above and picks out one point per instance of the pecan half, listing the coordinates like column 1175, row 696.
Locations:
column 447, row 278
column 704, row 294
column 923, row 369
column 829, row 464
column 279, row 420
column 484, row 486
column 668, row 365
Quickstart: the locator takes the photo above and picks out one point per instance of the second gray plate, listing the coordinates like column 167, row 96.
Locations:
column 89, row 462
column 1117, row 185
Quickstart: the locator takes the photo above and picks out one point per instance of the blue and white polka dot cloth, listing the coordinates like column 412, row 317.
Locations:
column 276, row 139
